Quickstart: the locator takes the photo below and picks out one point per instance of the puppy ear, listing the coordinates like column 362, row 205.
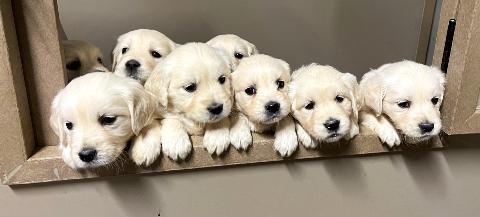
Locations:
column 252, row 49
column 352, row 85
column 223, row 54
column 157, row 84
column 372, row 92
column 115, row 56
column 286, row 67
column 141, row 105
column 56, row 122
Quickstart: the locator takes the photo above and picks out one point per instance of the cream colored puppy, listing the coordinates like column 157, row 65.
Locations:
column 138, row 52
column 325, row 104
column 192, row 86
column 95, row 116
column 260, row 83
column 402, row 100
column 81, row 58
column 235, row 47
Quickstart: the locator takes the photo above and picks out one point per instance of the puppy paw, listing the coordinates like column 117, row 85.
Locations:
column 176, row 146
column 285, row 142
column 241, row 138
column 216, row 141
column 389, row 136
column 146, row 149
column 305, row 138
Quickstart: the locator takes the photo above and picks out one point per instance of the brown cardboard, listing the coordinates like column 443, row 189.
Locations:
column 16, row 136
column 459, row 109
column 37, row 28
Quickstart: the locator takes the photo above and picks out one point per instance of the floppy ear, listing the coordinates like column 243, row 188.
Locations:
column 56, row 122
column 157, row 84
column 352, row 85
column 115, row 54
column 252, row 49
column 141, row 105
column 223, row 54
column 372, row 92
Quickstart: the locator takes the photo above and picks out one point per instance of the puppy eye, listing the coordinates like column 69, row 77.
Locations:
column 435, row 100
column 69, row 125
column 124, row 50
column 250, row 91
column 190, row 88
column 339, row 99
column 238, row 55
column 99, row 60
column 156, row 54
column 221, row 79
column 280, row 84
column 107, row 120
column 405, row 104
column 74, row 65
column 310, row 105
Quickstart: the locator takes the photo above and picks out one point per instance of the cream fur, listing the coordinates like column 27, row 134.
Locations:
column 384, row 88
column 84, row 57
column 232, row 44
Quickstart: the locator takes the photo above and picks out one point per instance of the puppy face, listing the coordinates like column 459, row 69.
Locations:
column 138, row 52
column 81, row 58
column 261, row 83
column 410, row 94
column 96, row 115
column 324, row 102
column 235, row 47
column 194, row 80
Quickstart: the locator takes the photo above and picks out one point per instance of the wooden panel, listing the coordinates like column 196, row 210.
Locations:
column 17, row 138
column 37, row 28
column 459, row 110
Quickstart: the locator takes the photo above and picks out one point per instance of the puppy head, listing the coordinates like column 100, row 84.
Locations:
column 194, row 80
column 410, row 94
column 95, row 115
column 81, row 58
column 236, row 48
column 325, row 102
column 138, row 52
column 260, row 83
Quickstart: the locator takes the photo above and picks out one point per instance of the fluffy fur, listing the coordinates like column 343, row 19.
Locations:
column 389, row 89
column 322, row 95
column 186, row 109
column 269, row 77
column 235, row 47
column 81, row 58
column 138, row 52
column 101, row 112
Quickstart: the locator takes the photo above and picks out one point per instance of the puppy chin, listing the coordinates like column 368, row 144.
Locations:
column 140, row 75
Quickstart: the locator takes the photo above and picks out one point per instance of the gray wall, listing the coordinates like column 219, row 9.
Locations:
column 353, row 35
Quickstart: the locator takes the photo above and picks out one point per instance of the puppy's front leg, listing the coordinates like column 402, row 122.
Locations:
column 285, row 137
column 304, row 137
column 240, row 134
column 146, row 147
column 216, row 138
column 175, row 141
column 382, row 127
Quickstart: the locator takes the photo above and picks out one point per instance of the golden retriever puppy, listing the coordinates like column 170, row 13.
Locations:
column 138, row 52
column 325, row 104
column 260, row 84
column 81, row 58
column 235, row 47
column 402, row 100
column 95, row 116
column 192, row 86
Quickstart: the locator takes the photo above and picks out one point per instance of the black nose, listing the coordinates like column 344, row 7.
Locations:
column 272, row 107
column 332, row 124
column 87, row 154
column 426, row 127
column 132, row 65
column 215, row 109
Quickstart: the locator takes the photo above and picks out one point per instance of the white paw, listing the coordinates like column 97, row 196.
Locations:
column 241, row 138
column 389, row 136
column 177, row 145
column 285, row 143
column 146, row 149
column 216, row 141
column 305, row 138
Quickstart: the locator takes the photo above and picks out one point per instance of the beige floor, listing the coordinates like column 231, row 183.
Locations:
column 433, row 184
